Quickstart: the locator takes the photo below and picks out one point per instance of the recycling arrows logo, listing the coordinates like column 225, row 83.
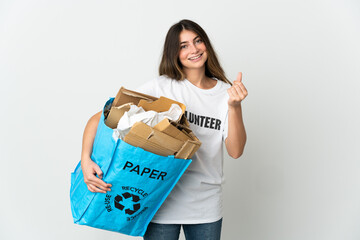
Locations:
column 119, row 201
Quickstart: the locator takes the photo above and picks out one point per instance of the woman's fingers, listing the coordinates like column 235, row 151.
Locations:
column 96, row 183
column 234, row 99
column 93, row 188
column 239, row 77
column 237, row 92
column 240, row 88
column 98, row 171
column 100, row 184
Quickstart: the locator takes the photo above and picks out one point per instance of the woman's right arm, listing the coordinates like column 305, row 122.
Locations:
column 89, row 167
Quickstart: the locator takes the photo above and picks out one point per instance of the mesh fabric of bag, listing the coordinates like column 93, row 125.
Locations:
column 140, row 180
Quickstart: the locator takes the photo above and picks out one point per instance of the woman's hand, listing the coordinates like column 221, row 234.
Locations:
column 89, row 167
column 236, row 139
column 90, row 170
column 237, row 92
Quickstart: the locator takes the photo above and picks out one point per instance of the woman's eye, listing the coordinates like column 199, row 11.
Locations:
column 199, row 41
column 183, row 46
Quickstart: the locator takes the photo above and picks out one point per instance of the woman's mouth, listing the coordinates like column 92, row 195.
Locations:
column 196, row 58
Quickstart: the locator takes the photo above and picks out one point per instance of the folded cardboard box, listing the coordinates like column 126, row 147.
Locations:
column 166, row 138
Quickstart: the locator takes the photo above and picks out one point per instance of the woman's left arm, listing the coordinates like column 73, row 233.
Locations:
column 236, row 139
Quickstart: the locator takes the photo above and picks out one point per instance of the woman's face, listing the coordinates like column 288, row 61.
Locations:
column 192, row 53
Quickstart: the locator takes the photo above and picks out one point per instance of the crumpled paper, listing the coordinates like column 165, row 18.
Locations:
column 138, row 114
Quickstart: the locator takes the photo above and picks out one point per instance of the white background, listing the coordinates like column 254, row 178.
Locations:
column 299, row 176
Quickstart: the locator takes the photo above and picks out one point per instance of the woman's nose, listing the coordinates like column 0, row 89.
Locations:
column 194, row 48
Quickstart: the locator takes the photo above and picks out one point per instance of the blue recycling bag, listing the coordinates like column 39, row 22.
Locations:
column 140, row 180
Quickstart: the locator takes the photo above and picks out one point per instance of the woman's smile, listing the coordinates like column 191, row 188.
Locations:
column 196, row 58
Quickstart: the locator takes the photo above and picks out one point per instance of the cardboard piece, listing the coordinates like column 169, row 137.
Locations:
column 166, row 138
column 160, row 105
column 166, row 127
column 142, row 135
column 124, row 96
column 127, row 96
column 115, row 114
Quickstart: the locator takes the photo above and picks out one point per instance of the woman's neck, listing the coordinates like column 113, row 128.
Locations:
column 198, row 78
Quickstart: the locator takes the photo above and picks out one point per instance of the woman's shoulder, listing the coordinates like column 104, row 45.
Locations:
column 155, row 85
column 163, row 78
column 222, row 86
column 164, row 81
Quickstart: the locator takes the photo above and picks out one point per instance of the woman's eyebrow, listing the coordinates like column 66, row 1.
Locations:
column 188, row 41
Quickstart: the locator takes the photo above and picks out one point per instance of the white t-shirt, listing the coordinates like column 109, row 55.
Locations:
column 197, row 197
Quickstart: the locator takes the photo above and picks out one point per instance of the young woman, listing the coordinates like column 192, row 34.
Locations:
column 189, row 73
